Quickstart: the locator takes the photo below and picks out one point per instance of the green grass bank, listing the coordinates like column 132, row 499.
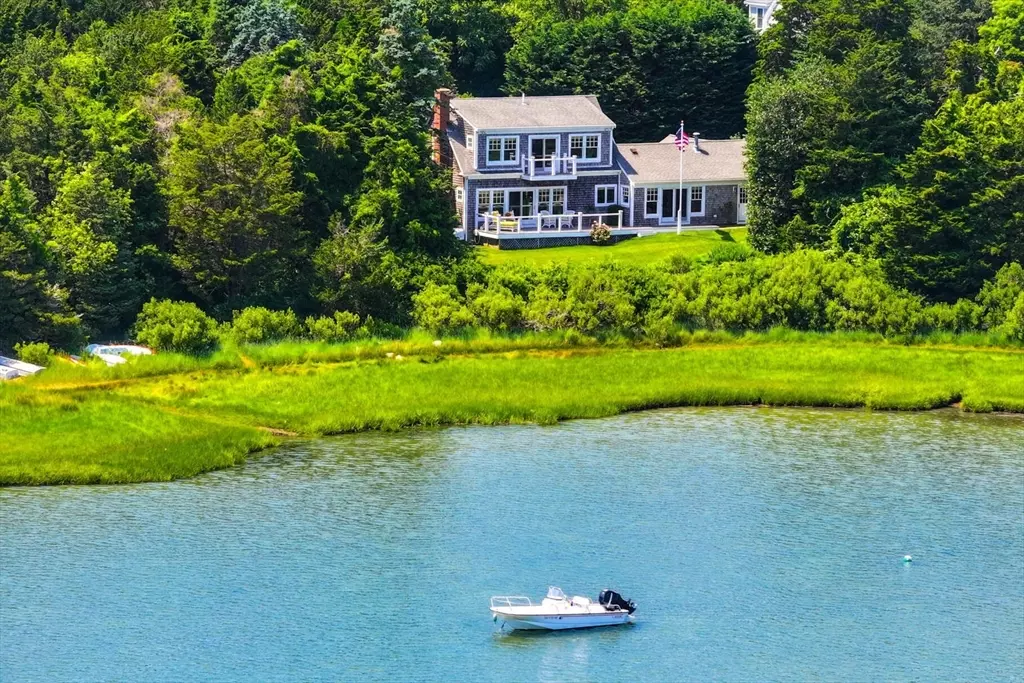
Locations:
column 638, row 251
column 169, row 417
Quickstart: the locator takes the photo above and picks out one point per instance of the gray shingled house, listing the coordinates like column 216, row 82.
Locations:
column 541, row 171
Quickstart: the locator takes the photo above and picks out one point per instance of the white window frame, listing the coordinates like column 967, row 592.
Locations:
column 585, row 137
column 501, row 142
column 742, row 193
column 657, row 202
column 703, row 199
column 508, row 190
column 471, row 143
column 597, row 192
column 556, row 138
column 459, row 195
column 625, row 196
column 557, row 188
column 490, row 202
column 757, row 14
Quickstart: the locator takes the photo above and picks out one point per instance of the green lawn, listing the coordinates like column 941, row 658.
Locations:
column 637, row 251
column 90, row 428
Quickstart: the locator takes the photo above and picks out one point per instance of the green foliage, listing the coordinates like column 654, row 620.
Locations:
column 953, row 217
column 804, row 290
column 839, row 99
column 334, row 328
column 30, row 306
column 999, row 296
column 234, row 214
column 729, row 251
column 658, row 62
column 175, row 326
column 37, row 353
column 475, row 35
column 257, row 325
column 259, row 27
column 86, row 228
column 440, row 308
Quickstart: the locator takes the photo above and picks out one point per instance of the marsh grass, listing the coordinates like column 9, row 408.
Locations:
column 78, row 438
column 158, row 419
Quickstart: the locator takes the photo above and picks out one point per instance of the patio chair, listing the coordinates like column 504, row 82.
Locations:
column 547, row 221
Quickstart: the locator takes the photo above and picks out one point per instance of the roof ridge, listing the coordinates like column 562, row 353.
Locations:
column 511, row 97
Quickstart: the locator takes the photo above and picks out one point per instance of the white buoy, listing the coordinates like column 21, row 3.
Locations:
column 907, row 559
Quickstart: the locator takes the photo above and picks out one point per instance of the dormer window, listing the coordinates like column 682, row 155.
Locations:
column 585, row 147
column 757, row 16
column 502, row 149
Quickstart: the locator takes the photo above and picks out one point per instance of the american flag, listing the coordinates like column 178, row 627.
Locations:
column 682, row 140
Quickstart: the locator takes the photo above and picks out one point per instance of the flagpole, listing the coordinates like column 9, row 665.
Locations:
column 679, row 204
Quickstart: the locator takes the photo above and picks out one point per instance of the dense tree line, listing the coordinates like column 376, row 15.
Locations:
column 273, row 154
column 233, row 152
column 896, row 130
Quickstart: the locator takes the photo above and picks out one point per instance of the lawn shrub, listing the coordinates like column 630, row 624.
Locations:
column 175, row 326
column 728, row 251
column 37, row 353
column 337, row 328
column 256, row 325
column 497, row 308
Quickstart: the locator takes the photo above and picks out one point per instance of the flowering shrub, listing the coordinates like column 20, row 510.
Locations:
column 600, row 233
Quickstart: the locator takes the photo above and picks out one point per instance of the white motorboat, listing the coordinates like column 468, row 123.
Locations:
column 557, row 612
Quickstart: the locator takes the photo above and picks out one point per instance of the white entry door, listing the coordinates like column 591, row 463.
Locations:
column 741, row 205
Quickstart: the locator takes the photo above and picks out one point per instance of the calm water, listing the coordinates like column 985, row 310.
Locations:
column 759, row 545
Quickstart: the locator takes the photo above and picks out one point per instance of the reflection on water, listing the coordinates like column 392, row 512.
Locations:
column 758, row 544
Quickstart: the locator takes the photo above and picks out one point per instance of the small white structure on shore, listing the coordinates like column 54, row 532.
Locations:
column 13, row 369
column 114, row 354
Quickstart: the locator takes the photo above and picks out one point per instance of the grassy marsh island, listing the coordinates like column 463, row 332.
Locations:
column 172, row 416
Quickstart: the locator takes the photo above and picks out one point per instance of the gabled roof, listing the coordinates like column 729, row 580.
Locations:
column 554, row 111
column 658, row 162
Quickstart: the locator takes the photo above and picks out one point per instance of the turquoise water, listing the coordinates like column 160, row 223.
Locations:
column 758, row 544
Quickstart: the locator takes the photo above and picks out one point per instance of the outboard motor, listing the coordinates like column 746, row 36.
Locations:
column 612, row 601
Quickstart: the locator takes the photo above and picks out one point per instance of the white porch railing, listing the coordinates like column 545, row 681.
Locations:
column 545, row 223
column 540, row 168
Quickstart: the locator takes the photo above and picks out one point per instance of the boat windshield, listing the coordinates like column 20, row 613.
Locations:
column 555, row 593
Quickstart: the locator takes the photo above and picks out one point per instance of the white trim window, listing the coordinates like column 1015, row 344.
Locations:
column 743, row 194
column 471, row 142
column 604, row 195
column 551, row 200
column 585, row 147
column 757, row 17
column 459, row 195
column 502, row 150
column 624, row 195
column 651, row 202
column 490, row 201
column 697, row 200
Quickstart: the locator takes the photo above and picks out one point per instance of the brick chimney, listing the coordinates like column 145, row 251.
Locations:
column 442, row 114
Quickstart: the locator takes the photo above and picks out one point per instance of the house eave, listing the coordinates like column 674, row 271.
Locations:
column 545, row 129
